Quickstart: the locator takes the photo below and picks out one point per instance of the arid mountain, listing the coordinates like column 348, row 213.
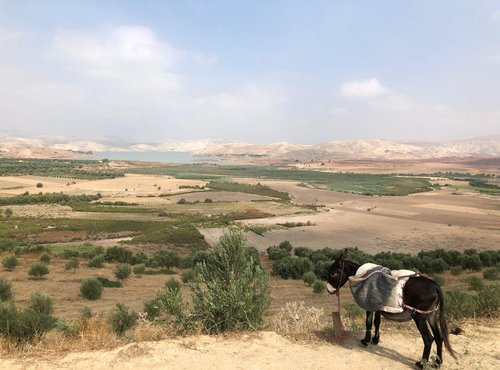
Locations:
column 360, row 149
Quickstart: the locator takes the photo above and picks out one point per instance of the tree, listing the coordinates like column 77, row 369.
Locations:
column 38, row 270
column 122, row 271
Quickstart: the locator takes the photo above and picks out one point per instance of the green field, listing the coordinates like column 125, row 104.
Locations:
column 366, row 184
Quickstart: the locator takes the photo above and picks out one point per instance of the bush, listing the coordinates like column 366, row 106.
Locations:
column 45, row 258
column 10, row 262
column 459, row 305
column 163, row 258
column 122, row 271
column 152, row 309
column 106, row 283
column 188, row 276
column 121, row 319
column 457, row 270
column 309, row 278
column 276, row 253
column 475, row 283
column 172, row 284
column 71, row 264
column 96, row 261
column 118, row 254
column 38, row 270
column 91, row 288
column 488, row 301
column 472, row 262
column 139, row 269
column 39, row 185
column 490, row 274
column 292, row 267
column 319, row 287
column 302, row 252
column 182, row 201
column 26, row 325
column 233, row 293
column 41, row 303
column 5, row 289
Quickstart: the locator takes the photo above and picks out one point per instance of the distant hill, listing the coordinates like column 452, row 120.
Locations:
column 485, row 147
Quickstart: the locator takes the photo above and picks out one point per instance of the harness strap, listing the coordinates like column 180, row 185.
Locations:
column 422, row 312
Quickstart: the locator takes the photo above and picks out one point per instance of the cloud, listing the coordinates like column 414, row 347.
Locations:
column 363, row 89
column 131, row 58
column 338, row 111
column 495, row 16
column 7, row 35
column 393, row 102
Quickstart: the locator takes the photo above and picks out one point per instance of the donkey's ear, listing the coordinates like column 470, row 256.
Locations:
column 344, row 253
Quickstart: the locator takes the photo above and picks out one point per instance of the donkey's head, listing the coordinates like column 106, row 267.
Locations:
column 337, row 275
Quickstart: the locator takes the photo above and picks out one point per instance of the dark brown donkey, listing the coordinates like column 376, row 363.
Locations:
column 422, row 301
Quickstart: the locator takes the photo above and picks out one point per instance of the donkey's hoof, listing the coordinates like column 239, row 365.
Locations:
column 419, row 364
column 375, row 340
column 364, row 342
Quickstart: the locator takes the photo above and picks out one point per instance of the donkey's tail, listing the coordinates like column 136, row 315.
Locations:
column 443, row 325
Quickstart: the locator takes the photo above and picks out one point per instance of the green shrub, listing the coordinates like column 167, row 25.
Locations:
column 490, row 274
column 10, row 262
column 188, row 276
column 5, row 289
column 45, row 258
column 85, row 313
column 38, row 270
column 41, row 303
column 233, row 292
column 163, row 258
column 319, row 287
column 139, row 269
column 475, row 282
column 122, row 271
column 292, row 267
column 302, row 252
column 121, row 319
column 169, row 302
column 91, row 288
column 71, row 264
column 309, row 278
column 96, row 261
column 152, row 309
column 106, row 283
column 26, row 325
column 488, row 301
column 172, row 284
column 182, row 201
column 472, row 262
column 354, row 312
column 276, row 253
column 456, row 270
column 459, row 305
column 118, row 254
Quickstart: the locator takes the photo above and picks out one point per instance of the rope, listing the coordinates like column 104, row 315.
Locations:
column 422, row 312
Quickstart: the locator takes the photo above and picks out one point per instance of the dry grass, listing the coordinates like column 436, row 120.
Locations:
column 296, row 321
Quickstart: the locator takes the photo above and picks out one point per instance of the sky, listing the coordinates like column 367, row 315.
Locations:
column 257, row 71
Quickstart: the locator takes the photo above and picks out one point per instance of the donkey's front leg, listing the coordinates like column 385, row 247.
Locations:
column 368, row 333
column 376, row 337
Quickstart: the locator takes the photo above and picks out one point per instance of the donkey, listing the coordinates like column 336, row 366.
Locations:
column 422, row 301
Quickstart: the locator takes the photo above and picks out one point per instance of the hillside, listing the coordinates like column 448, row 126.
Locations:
column 487, row 147
column 477, row 349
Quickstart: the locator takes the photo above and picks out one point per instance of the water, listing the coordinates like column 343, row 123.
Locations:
column 151, row 156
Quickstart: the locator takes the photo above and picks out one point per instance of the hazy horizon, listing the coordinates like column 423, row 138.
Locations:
column 260, row 72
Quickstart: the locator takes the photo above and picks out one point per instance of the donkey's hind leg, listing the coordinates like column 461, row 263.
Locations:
column 438, row 338
column 368, row 332
column 427, row 337
column 376, row 336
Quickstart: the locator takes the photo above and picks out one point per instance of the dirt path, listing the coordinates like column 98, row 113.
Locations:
column 478, row 348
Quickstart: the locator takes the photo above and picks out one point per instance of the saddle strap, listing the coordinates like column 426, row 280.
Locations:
column 422, row 312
